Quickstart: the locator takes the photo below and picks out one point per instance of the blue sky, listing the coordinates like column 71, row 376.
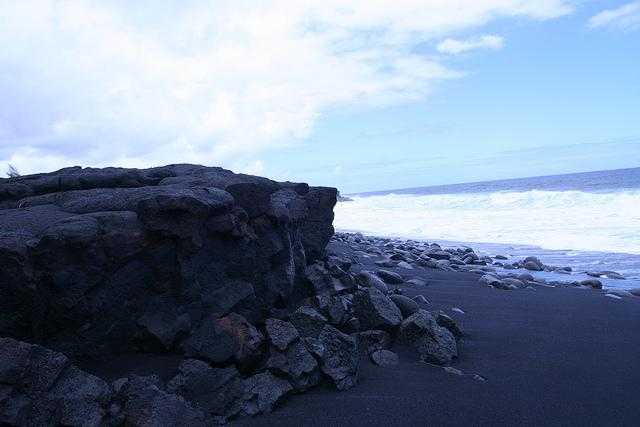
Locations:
column 358, row 95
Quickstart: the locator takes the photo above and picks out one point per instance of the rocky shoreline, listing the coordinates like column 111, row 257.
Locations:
column 226, row 273
column 495, row 271
column 186, row 295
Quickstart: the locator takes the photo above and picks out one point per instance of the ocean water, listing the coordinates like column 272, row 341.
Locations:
column 588, row 221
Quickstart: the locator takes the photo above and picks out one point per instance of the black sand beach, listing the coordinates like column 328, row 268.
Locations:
column 549, row 356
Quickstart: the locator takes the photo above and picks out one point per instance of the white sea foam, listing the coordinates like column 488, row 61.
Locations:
column 576, row 220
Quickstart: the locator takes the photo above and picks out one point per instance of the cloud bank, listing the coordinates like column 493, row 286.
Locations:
column 454, row 47
column 151, row 82
column 625, row 17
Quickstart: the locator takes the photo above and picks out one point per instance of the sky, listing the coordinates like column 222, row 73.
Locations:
column 361, row 95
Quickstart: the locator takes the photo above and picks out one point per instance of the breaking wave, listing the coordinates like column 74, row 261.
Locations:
column 577, row 220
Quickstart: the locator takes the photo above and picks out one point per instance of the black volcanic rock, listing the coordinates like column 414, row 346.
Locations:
column 42, row 387
column 89, row 257
column 183, row 262
column 434, row 343
column 375, row 310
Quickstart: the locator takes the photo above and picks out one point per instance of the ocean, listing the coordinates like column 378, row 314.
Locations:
column 588, row 221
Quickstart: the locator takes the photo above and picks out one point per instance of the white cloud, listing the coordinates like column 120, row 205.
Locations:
column 143, row 83
column 625, row 17
column 453, row 46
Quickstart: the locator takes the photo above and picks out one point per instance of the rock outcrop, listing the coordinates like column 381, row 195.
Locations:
column 221, row 280
column 100, row 261
column 179, row 260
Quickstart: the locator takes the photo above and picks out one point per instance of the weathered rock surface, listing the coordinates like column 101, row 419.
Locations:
column 181, row 259
column 434, row 343
column 368, row 279
column 375, row 310
column 146, row 403
column 281, row 333
column 339, row 357
column 99, row 252
column 373, row 340
column 406, row 305
column 42, row 387
column 215, row 391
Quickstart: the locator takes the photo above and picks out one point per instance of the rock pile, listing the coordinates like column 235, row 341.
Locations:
column 410, row 254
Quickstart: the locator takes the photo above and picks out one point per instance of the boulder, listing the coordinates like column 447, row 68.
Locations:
column 217, row 392
column 434, row 343
column 165, row 326
column 406, row 305
column 370, row 280
column 220, row 339
column 446, row 321
column 308, row 321
column 592, row 283
column 606, row 274
column 147, row 404
column 297, row 364
column 438, row 254
column 532, row 263
column 488, row 279
column 339, row 357
column 39, row 386
column 373, row 340
column 262, row 392
column 323, row 282
column 390, row 276
column 375, row 310
column 384, row 358
column 210, row 342
column 281, row 333
column 334, row 307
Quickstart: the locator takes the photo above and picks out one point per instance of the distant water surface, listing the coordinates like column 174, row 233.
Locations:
column 589, row 221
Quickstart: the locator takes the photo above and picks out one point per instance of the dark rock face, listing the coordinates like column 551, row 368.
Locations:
column 183, row 259
column 117, row 259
